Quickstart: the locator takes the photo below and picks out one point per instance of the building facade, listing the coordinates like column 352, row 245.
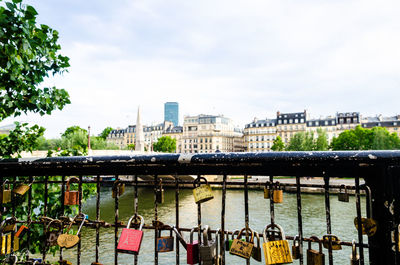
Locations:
column 328, row 125
column 171, row 112
column 288, row 124
column 392, row 124
column 209, row 134
column 259, row 135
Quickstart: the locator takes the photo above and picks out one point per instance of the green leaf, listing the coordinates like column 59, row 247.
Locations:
column 31, row 10
column 10, row 6
column 17, row 1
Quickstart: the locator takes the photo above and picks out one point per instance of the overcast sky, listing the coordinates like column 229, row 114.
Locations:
column 243, row 59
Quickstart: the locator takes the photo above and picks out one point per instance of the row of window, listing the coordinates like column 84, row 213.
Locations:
column 291, row 121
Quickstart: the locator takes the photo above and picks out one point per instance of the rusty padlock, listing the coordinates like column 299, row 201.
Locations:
column 5, row 192
column 165, row 243
column 160, row 193
column 242, row 248
column 118, row 186
column 343, row 196
column 296, row 247
column 278, row 193
column 52, row 235
column 71, row 197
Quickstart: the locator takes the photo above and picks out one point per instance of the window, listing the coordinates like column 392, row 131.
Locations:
column 279, row 122
column 290, row 121
column 302, row 120
column 296, row 120
column 285, row 121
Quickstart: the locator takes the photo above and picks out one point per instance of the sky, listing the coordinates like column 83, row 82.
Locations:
column 239, row 58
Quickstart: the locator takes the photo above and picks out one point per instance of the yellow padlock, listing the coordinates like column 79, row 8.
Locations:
column 6, row 238
column 5, row 192
column 202, row 192
column 276, row 251
column 242, row 248
column 120, row 187
column 21, row 189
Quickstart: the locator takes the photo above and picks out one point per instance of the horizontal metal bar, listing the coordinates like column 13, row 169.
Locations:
column 343, row 163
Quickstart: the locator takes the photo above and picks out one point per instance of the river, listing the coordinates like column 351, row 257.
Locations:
column 313, row 212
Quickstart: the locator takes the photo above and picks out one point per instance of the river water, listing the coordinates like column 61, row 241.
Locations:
column 313, row 212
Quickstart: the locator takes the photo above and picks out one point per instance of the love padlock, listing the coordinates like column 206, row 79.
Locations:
column 276, row 251
column 131, row 239
column 21, row 189
column 53, row 234
column 118, row 188
column 71, row 197
column 202, row 192
column 192, row 255
column 5, row 192
column 242, row 248
column 6, row 236
column 165, row 243
column 67, row 240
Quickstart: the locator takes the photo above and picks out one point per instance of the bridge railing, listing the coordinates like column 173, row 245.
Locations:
column 378, row 170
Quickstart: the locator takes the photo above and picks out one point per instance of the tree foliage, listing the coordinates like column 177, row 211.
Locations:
column 377, row 138
column 278, row 144
column 165, row 144
column 28, row 54
column 106, row 132
column 305, row 141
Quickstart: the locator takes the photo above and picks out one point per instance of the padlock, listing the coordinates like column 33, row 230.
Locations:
column 160, row 193
column 180, row 237
column 335, row 242
column 23, row 230
column 369, row 225
column 296, row 247
column 208, row 247
column 6, row 238
column 267, row 190
column 315, row 257
column 228, row 242
column 69, row 241
column 9, row 225
column 257, row 249
column 120, row 187
column 354, row 258
column 277, row 193
column 5, row 192
column 343, row 196
column 71, row 197
column 202, row 193
column 192, row 250
column 241, row 248
column 21, row 189
column 218, row 258
column 52, row 235
column 165, row 243
column 131, row 239
column 276, row 251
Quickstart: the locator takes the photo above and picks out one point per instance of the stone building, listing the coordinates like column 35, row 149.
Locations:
column 288, row 124
column 392, row 124
column 259, row 135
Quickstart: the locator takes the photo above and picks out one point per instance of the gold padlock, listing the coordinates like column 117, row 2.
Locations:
column 71, row 197
column 69, row 241
column 202, row 193
column 278, row 193
column 276, row 251
column 267, row 190
column 6, row 238
column 5, row 192
column 120, row 187
column 315, row 257
column 243, row 248
column 21, row 189
column 335, row 242
column 369, row 226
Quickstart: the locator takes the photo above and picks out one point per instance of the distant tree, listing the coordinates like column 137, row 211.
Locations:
column 278, row 144
column 106, row 132
column 359, row 138
column 321, row 143
column 297, row 142
column 165, row 144
column 131, row 147
column 73, row 129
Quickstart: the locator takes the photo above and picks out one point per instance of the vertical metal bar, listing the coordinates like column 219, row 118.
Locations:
column 246, row 209
column 177, row 216
column 199, row 238
column 135, row 208
column 80, row 212
column 116, row 214
column 223, row 217
column 1, row 201
column 13, row 213
column 358, row 209
column 299, row 219
column 46, row 179
column 97, row 218
column 328, row 217
column 271, row 201
column 156, row 219
column 28, row 236
column 62, row 206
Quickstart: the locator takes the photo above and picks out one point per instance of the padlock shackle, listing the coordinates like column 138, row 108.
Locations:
column 315, row 239
column 296, row 238
column 268, row 184
column 54, row 221
column 235, row 232
column 134, row 217
column 217, row 240
column 267, row 228
column 206, row 235
column 247, row 230
column 71, row 180
column 343, row 187
column 179, row 236
column 258, row 238
column 368, row 195
column 198, row 180
column 4, row 183
column 353, row 248
column 191, row 234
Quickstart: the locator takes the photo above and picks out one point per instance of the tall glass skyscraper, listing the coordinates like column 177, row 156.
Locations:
column 171, row 112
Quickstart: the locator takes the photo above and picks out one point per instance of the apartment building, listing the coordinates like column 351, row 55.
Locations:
column 288, row 124
column 259, row 135
column 392, row 124
column 209, row 134
column 347, row 121
column 328, row 124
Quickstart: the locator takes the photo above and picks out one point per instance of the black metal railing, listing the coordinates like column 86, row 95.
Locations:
column 379, row 170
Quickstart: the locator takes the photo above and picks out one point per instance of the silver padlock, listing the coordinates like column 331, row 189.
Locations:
column 208, row 251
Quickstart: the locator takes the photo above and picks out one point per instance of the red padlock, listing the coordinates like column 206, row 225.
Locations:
column 131, row 239
column 192, row 249
column 71, row 197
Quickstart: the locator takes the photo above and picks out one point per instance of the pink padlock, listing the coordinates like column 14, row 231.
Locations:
column 131, row 239
column 192, row 250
